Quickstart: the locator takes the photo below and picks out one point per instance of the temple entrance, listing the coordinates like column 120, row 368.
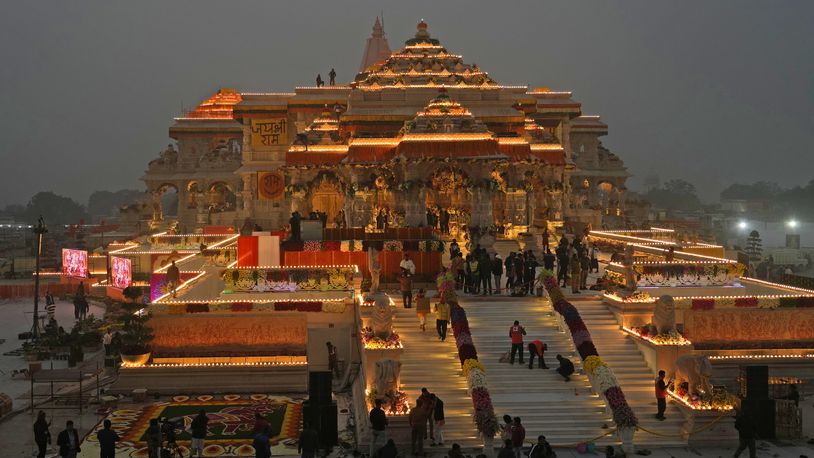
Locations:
column 327, row 198
column 165, row 202
column 449, row 203
column 221, row 198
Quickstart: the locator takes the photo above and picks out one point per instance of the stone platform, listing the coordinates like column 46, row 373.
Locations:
column 179, row 379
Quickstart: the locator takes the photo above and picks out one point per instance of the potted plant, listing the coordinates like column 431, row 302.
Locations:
column 136, row 336
column 133, row 293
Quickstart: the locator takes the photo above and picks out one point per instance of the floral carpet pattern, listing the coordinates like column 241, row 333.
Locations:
column 231, row 421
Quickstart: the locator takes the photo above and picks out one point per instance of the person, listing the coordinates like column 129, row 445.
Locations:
column 454, row 249
column 422, row 308
column 389, row 450
column 438, row 417
column 530, row 272
column 406, row 287
column 107, row 340
column 198, row 430
column 542, row 449
column 566, row 368
column 546, row 236
column 585, row 268
column 441, row 319
column 518, row 436
column 173, row 277
column 168, row 433
column 497, row 271
column 794, row 395
column 107, row 440
column 519, row 275
column 77, row 306
column 42, row 435
column 333, row 361
column 562, row 262
column 746, row 433
column 548, row 260
column 426, row 402
column 295, row 222
column 339, row 220
column 68, row 441
column 516, row 333
column 594, row 259
column 332, row 77
column 671, row 254
column 661, row 395
column 320, row 83
column 378, row 427
column 50, row 306
column 509, row 264
column 506, row 429
column 444, row 217
column 154, row 439
column 455, row 451
column 309, row 442
column 260, row 423
column 418, row 427
column 472, row 276
column 407, row 264
column 380, row 220
column 507, row 451
column 537, row 348
column 576, row 269
column 262, row 445
column 485, row 273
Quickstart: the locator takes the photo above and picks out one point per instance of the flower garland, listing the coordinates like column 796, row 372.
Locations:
column 651, row 334
column 762, row 302
column 485, row 418
column 602, row 376
column 312, row 245
column 393, row 245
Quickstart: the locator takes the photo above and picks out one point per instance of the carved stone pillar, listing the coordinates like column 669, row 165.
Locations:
column 248, row 195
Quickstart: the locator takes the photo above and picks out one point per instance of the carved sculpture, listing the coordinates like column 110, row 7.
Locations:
column 664, row 315
column 387, row 376
column 696, row 370
column 630, row 278
column 382, row 318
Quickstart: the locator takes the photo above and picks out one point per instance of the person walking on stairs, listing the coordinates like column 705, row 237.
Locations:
column 562, row 262
column 516, row 333
column 438, row 417
column 378, row 427
column 406, row 286
column 661, row 395
column 418, row 427
column 441, row 319
column 485, row 273
column 497, row 272
column 422, row 308
column 537, row 348
column 427, row 402
column 509, row 264
column 566, row 368
column 746, row 433
column 518, row 436
column 576, row 269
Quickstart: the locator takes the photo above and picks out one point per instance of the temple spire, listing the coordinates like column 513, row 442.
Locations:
column 377, row 48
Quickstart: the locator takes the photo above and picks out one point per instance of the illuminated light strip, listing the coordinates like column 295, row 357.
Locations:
column 784, row 356
column 259, row 363
column 254, row 301
column 47, row 274
column 337, row 266
column 687, row 404
column 164, row 234
column 647, row 338
column 180, row 287
column 164, row 269
column 126, row 248
column 778, row 285
column 162, row 252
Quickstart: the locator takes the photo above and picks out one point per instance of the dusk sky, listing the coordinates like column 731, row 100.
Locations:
column 712, row 92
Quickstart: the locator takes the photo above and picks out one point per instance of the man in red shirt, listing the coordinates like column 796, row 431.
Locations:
column 537, row 348
column 516, row 332
column 661, row 395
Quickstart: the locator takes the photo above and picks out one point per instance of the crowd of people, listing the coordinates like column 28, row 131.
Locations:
column 426, row 421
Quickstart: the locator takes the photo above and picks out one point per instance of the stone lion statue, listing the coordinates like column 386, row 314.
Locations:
column 664, row 315
column 387, row 376
column 381, row 320
column 696, row 370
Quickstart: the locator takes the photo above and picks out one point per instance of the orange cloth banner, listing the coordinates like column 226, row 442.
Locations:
column 738, row 325
column 241, row 334
column 270, row 185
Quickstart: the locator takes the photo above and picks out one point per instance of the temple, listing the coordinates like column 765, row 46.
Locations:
column 420, row 136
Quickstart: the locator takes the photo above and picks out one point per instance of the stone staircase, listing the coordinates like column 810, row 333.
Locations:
column 428, row 362
column 565, row 412
column 620, row 352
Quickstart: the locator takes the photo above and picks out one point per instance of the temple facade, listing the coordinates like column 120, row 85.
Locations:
column 420, row 137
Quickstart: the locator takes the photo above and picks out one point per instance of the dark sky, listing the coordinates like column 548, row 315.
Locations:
column 711, row 91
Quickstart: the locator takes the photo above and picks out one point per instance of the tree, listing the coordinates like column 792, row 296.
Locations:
column 54, row 208
column 758, row 190
column 106, row 203
column 754, row 247
column 675, row 194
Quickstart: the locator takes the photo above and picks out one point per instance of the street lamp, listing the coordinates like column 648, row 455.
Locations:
column 742, row 225
column 792, row 224
column 40, row 230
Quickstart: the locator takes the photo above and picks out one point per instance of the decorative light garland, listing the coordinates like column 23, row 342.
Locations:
column 761, row 356
column 258, row 364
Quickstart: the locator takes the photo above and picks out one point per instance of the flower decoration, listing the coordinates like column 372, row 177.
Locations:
column 470, row 364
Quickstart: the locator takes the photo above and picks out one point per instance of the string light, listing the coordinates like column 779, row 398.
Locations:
column 682, row 342
column 225, row 364
column 253, row 301
column 761, row 356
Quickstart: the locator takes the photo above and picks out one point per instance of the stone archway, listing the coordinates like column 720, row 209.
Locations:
column 221, row 197
column 328, row 197
column 449, row 197
column 165, row 201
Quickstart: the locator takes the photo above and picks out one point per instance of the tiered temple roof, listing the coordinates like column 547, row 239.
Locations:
column 219, row 106
column 423, row 62
column 377, row 50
